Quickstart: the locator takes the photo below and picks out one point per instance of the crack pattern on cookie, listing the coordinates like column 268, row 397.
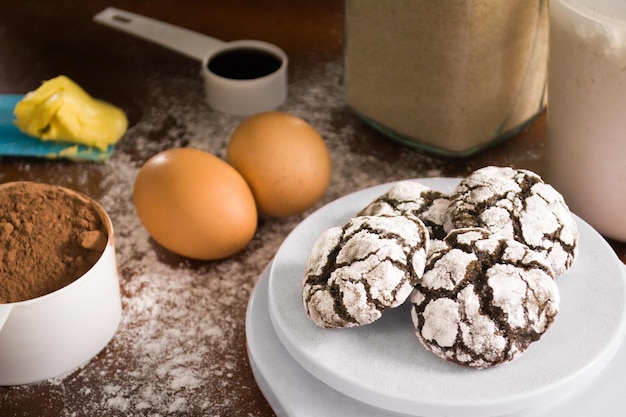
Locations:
column 516, row 204
column 414, row 199
column 356, row 272
column 483, row 299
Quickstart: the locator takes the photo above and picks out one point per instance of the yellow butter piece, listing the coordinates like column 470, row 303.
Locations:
column 60, row 110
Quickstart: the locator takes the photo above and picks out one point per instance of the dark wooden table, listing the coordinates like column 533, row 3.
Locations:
column 181, row 348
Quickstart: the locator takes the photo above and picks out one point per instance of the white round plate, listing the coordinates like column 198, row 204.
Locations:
column 384, row 365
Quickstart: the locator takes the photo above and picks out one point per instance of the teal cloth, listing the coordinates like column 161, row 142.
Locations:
column 15, row 143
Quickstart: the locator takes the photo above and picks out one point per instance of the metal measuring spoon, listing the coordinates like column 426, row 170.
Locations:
column 241, row 77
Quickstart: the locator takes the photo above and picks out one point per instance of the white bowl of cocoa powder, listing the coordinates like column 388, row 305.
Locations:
column 60, row 301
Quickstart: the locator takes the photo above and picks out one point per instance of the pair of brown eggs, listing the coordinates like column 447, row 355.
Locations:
column 203, row 207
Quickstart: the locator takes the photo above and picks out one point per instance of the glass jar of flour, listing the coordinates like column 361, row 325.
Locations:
column 586, row 141
column 448, row 76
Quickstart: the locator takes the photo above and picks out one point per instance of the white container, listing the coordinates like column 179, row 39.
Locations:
column 54, row 334
column 586, row 148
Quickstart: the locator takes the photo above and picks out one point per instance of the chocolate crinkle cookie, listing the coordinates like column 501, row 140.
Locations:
column 516, row 204
column 357, row 271
column 414, row 199
column 483, row 299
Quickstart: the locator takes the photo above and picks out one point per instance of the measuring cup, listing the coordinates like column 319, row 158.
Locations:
column 56, row 333
column 241, row 77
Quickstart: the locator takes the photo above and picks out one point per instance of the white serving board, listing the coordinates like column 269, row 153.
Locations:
column 293, row 392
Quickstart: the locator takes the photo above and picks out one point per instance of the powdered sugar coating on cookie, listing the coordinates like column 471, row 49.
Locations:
column 483, row 299
column 416, row 199
column 355, row 272
column 517, row 204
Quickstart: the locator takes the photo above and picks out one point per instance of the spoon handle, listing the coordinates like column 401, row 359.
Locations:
column 187, row 42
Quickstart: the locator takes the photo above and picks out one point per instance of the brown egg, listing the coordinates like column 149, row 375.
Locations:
column 195, row 204
column 284, row 160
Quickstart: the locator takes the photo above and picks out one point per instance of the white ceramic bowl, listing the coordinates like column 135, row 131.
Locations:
column 54, row 334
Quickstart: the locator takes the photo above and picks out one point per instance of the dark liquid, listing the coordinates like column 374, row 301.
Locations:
column 244, row 63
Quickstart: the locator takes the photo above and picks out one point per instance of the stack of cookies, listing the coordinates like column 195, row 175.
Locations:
column 478, row 265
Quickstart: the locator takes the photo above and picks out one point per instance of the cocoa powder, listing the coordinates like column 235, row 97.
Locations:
column 49, row 237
